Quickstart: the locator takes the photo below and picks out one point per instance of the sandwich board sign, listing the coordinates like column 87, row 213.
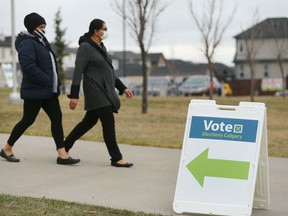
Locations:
column 224, row 160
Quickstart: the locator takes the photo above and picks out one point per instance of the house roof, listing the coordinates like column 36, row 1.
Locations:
column 269, row 28
column 160, row 71
column 185, row 68
column 131, row 70
column 135, row 57
column 180, row 67
column 130, row 56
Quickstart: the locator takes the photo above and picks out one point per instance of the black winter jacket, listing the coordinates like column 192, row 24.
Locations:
column 36, row 65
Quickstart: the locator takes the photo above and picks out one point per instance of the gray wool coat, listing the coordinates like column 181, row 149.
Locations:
column 99, row 80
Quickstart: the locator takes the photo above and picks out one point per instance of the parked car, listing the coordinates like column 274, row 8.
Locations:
column 137, row 90
column 199, row 85
column 280, row 92
column 129, row 84
column 161, row 86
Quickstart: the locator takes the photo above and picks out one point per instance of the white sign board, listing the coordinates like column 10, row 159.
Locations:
column 219, row 161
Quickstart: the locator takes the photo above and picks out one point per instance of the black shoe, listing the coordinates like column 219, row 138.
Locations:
column 68, row 161
column 10, row 158
column 122, row 165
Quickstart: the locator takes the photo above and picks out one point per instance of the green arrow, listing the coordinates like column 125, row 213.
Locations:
column 202, row 166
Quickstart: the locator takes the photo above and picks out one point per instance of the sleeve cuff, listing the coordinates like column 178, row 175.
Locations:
column 74, row 92
column 120, row 86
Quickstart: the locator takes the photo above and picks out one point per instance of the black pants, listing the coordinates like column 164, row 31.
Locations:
column 90, row 119
column 31, row 109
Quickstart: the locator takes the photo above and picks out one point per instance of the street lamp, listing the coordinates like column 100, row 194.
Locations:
column 14, row 96
column 124, row 39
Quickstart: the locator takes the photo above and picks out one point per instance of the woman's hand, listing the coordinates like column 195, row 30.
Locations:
column 73, row 103
column 128, row 92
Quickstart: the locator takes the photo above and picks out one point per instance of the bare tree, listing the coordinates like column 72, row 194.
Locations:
column 209, row 25
column 252, row 43
column 279, row 30
column 141, row 17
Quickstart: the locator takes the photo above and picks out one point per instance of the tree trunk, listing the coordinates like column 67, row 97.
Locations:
column 252, row 86
column 145, row 80
column 211, row 84
column 282, row 76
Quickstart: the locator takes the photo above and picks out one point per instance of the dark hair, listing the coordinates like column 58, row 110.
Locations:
column 95, row 24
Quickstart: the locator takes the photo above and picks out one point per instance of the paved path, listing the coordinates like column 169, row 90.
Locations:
column 149, row 186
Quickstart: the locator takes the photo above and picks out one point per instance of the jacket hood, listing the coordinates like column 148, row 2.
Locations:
column 24, row 35
column 84, row 38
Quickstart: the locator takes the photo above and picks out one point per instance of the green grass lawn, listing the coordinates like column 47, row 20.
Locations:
column 163, row 126
column 26, row 206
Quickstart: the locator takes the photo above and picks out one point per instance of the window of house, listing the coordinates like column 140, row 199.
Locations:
column 266, row 73
column 241, row 67
column 241, row 47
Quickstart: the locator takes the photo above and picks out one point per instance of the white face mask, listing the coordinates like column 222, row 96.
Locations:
column 40, row 33
column 105, row 35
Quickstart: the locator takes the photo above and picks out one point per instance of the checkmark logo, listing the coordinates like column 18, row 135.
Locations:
column 238, row 128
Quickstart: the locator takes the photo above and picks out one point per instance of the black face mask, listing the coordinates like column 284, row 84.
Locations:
column 40, row 33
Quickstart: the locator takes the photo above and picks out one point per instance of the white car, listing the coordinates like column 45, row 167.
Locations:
column 280, row 93
column 161, row 86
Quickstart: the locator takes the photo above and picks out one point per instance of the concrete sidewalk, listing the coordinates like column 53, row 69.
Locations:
column 149, row 186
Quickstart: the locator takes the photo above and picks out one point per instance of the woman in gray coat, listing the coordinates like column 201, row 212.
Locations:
column 99, row 81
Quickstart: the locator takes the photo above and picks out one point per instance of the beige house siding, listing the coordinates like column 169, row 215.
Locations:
column 265, row 59
column 264, row 38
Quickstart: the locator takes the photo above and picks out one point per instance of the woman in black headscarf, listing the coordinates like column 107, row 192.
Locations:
column 99, row 82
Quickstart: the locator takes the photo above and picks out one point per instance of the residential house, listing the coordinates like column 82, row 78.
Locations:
column 159, row 66
column 182, row 69
column 69, row 61
column 131, row 68
column 6, row 71
column 264, row 39
column 5, row 49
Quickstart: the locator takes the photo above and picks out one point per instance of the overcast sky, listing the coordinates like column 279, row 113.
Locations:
column 177, row 35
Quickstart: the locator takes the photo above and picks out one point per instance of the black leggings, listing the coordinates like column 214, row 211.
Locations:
column 90, row 119
column 31, row 109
